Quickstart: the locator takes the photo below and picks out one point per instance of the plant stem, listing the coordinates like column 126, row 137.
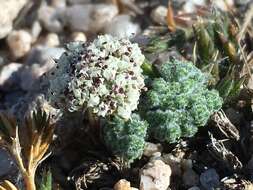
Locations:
column 94, row 124
column 29, row 181
column 93, row 120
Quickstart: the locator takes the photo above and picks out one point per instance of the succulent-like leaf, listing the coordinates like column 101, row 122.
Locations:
column 225, row 86
column 157, row 44
column 217, row 43
column 205, row 44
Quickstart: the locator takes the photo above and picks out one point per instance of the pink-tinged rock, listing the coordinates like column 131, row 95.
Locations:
column 155, row 176
column 19, row 42
column 9, row 11
column 151, row 148
column 9, row 76
column 122, row 185
column 89, row 17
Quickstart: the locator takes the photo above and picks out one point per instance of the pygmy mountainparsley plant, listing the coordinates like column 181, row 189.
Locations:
column 104, row 76
column 178, row 102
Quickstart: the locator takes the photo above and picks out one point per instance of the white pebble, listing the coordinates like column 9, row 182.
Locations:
column 190, row 178
column 78, row 36
column 35, row 30
column 159, row 15
column 58, row 3
column 151, row 148
column 89, row 18
column 52, row 40
column 224, row 5
column 194, row 188
column 122, row 185
column 174, row 162
column 19, row 42
column 9, row 11
column 7, row 72
column 30, row 74
column 50, row 18
column 155, row 176
column 122, row 27
column 78, row 1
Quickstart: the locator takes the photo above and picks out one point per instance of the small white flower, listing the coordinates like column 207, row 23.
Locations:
column 123, row 65
column 133, row 96
column 121, row 80
column 124, row 112
column 93, row 101
column 103, row 109
column 102, row 90
column 106, row 76
column 109, row 73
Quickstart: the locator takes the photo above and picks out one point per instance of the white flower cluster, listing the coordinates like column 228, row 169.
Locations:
column 104, row 76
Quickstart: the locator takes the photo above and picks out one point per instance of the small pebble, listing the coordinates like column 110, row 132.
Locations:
column 41, row 54
column 9, row 11
column 186, row 164
column 174, row 162
column 78, row 36
column 35, row 31
column 151, row 148
column 249, row 167
column 156, row 156
column 58, row 3
column 7, row 165
column 194, row 188
column 2, row 61
column 159, row 15
column 9, row 76
column 50, row 18
column 71, row 2
column 210, row 179
column 190, row 6
column 223, row 5
column 19, row 42
column 89, row 17
column 190, row 178
column 155, row 176
column 52, row 40
column 122, row 27
column 122, row 185
column 29, row 75
column 250, row 82
column 13, row 97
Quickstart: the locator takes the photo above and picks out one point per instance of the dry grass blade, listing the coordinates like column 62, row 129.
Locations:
column 218, row 150
column 117, row 3
column 7, row 185
column 7, row 128
column 170, row 18
column 29, row 145
column 247, row 21
column 225, row 126
column 248, row 185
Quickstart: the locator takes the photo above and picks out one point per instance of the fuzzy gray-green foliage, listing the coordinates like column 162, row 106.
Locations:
column 126, row 139
column 179, row 101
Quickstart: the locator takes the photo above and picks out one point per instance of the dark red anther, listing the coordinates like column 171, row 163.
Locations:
column 121, row 90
